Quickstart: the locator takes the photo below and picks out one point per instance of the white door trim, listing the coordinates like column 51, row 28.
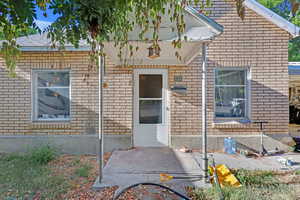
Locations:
column 165, row 101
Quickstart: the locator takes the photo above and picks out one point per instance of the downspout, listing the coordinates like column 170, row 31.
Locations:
column 204, row 113
column 100, row 138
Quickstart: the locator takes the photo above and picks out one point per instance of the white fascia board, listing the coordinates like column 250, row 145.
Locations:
column 273, row 17
column 294, row 63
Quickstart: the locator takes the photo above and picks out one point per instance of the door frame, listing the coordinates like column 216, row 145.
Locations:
column 165, row 97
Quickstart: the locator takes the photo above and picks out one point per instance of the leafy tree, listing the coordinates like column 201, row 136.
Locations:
column 30, row 31
column 294, row 44
column 270, row 3
column 288, row 10
column 294, row 50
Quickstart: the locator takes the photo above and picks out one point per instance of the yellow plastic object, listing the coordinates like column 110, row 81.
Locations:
column 226, row 178
column 165, row 177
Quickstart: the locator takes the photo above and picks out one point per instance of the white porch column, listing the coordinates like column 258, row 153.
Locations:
column 204, row 113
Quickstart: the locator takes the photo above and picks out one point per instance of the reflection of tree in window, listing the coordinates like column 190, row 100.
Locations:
column 52, row 79
column 230, row 93
column 53, row 95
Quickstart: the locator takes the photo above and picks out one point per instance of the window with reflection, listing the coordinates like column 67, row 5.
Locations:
column 231, row 98
column 150, row 98
column 51, row 95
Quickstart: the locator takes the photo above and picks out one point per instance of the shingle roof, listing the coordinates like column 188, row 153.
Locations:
column 42, row 42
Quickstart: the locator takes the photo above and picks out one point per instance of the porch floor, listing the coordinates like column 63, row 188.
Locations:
column 129, row 167
column 138, row 165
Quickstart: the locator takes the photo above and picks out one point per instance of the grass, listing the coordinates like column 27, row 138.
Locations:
column 83, row 171
column 27, row 176
column 41, row 173
column 258, row 185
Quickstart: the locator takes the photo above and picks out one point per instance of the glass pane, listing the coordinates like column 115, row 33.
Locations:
column 230, row 101
column 230, row 77
column 150, row 112
column 53, row 103
column 53, row 79
column 150, row 86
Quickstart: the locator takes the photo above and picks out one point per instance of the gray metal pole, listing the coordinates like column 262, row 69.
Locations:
column 100, row 153
column 204, row 114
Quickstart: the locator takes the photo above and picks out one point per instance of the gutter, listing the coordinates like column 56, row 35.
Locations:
column 273, row 17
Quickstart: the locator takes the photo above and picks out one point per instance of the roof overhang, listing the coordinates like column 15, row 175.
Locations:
column 187, row 52
column 273, row 17
column 199, row 29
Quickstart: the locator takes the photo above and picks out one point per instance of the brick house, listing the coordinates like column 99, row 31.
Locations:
column 155, row 102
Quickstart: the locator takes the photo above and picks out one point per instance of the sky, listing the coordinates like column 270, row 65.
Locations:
column 42, row 21
column 50, row 16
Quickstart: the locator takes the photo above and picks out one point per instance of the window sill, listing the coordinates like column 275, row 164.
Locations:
column 57, row 120
column 56, row 125
column 232, row 123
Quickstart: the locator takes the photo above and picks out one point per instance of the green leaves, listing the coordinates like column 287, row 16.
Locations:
column 270, row 3
column 294, row 17
column 16, row 19
column 10, row 53
column 99, row 21
column 294, row 50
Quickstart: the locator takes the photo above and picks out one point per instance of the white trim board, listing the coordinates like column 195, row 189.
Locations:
column 294, row 63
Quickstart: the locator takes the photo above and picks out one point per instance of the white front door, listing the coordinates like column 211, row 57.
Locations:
column 150, row 108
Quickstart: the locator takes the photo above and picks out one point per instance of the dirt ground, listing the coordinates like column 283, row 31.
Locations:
column 81, row 187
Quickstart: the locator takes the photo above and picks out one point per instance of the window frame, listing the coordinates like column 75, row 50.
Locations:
column 247, row 85
column 34, row 95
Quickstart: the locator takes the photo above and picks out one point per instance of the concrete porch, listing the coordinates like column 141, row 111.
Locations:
column 138, row 165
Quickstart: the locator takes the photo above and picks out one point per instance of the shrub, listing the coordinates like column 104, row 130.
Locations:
column 11, row 157
column 83, row 171
column 258, row 178
column 42, row 155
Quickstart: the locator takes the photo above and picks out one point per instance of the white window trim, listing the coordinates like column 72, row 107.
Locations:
column 34, row 95
column 247, row 86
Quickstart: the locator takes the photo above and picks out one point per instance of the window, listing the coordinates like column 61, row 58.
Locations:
column 150, row 98
column 231, row 94
column 51, row 95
